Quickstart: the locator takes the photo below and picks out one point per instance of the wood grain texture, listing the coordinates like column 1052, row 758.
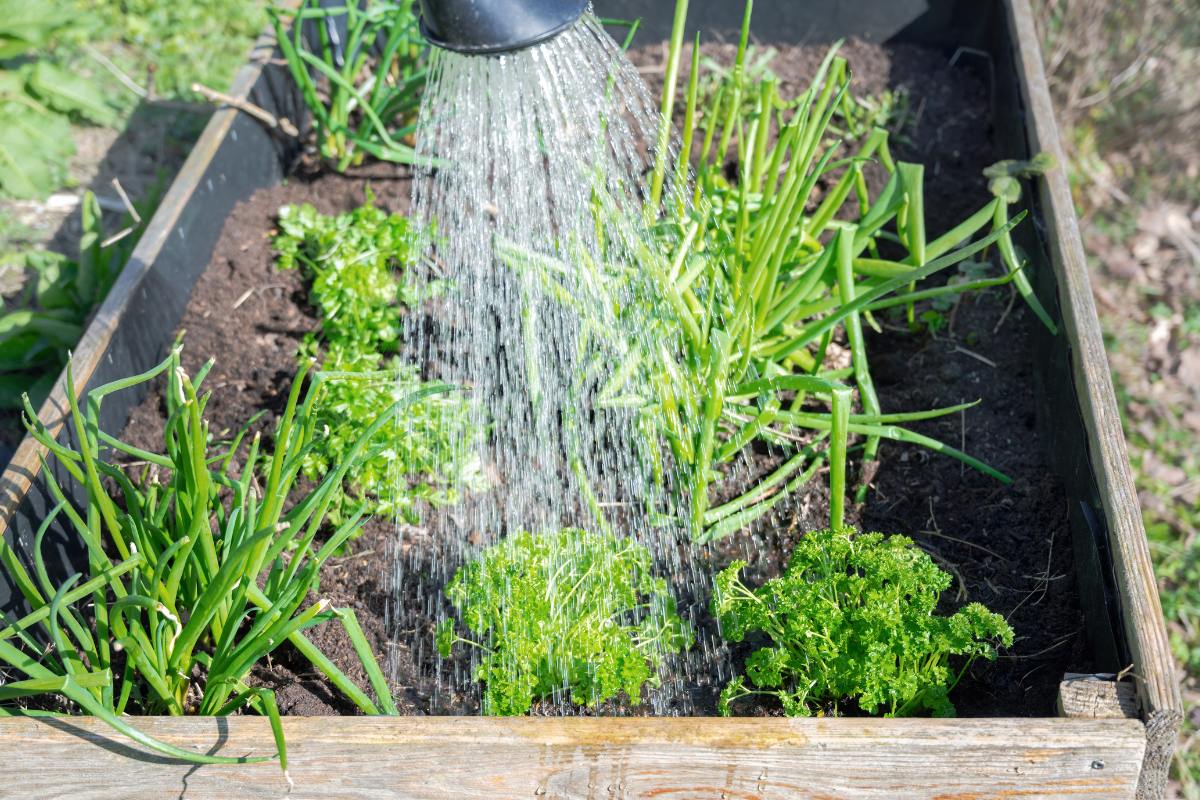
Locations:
column 1097, row 697
column 473, row 758
column 1141, row 612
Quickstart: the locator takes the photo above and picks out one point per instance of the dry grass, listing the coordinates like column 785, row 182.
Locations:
column 1126, row 75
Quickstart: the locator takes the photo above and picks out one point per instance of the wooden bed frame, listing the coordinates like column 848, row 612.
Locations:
column 1096, row 751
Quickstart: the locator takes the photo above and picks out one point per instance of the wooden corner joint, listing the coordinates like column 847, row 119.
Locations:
column 1097, row 696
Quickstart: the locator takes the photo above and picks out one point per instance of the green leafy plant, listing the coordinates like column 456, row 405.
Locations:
column 563, row 611
column 47, row 319
column 39, row 99
column 194, row 572
column 354, row 265
column 363, row 92
column 852, row 619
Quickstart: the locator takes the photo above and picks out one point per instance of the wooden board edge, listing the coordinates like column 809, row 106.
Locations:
column 1093, row 696
column 477, row 757
column 1153, row 666
column 20, row 473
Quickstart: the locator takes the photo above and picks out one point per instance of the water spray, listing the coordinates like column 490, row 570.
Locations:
column 538, row 204
column 489, row 27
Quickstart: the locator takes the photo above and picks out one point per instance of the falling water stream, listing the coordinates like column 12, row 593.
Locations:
column 534, row 206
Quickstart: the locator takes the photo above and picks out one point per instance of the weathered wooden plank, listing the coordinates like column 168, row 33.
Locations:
column 1096, row 697
column 470, row 757
column 1141, row 611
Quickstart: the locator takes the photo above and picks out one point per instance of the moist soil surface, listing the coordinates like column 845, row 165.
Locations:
column 1006, row 546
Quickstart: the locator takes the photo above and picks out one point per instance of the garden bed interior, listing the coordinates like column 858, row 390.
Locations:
column 1037, row 552
column 999, row 542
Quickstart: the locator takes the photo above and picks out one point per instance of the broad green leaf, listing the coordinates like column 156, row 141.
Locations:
column 34, row 149
column 52, row 325
column 12, row 83
column 55, row 274
column 27, row 350
column 25, row 25
column 70, row 93
column 13, row 385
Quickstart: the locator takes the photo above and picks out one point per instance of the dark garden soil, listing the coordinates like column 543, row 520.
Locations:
column 1007, row 547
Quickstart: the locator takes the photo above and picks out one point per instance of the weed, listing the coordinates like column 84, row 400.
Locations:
column 176, row 45
column 39, row 98
column 42, row 325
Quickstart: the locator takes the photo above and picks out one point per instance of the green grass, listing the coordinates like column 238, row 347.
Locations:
column 181, row 43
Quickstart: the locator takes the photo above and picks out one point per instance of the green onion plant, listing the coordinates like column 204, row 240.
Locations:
column 749, row 288
column 363, row 92
column 196, row 570
column 776, row 275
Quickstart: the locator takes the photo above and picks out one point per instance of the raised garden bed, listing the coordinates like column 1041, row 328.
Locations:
column 1070, row 528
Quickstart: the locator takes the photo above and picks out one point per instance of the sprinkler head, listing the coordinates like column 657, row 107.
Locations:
column 483, row 27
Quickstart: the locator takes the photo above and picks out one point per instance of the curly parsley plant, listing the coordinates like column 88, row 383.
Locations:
column 852, row 618
column 564, row 611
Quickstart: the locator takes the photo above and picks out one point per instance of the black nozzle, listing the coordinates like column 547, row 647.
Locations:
column 496, row 26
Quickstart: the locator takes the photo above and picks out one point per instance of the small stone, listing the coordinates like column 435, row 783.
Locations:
column 950, row 371
column 1189, row 368
column 1144, row 246
column 1120, row 264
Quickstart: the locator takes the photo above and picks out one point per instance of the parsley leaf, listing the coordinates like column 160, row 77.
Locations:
column 354, row 264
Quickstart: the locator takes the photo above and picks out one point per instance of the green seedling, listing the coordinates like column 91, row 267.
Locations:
column 354, row 265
